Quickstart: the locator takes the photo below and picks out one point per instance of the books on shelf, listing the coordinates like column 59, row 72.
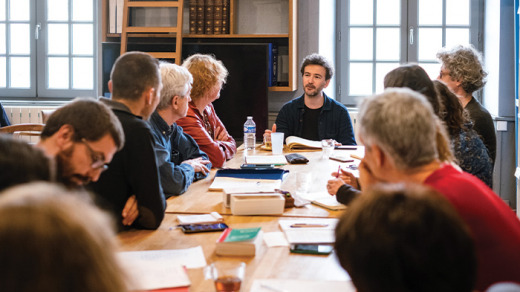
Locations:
column 239, row 242
column 209, row 16
column 309, row 230
column 297, row 143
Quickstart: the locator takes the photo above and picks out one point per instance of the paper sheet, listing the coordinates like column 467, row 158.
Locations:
column 273, row 239
column 286, row 285
column 310, row 235
column 238, row 184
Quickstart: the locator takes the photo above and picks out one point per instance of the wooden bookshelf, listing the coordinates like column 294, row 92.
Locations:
column 287, row 38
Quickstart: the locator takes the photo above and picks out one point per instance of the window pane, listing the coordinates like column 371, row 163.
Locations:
column 82, row 39
column 20, row 39
column 381, row 70
column 360, row 79
column 456, row 36
column 457, row 12
column 430, row 12
column 58, row 73
column 432, row 69
column 58, row 39
column 387, row 44
column 430, row 41
column 20, row 72
column 19, row 10
column 2, row 38
column 388, row 12
column 361, row 12
column 2, row 10
column 3, row 79
column 82, row 10
column 57, row 10
column 82, row 73
column 361, row 44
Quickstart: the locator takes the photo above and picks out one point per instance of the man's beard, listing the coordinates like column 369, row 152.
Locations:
column 312, row 92
column 64, row 169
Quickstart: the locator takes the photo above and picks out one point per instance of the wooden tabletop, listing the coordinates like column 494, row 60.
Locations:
column 199, row 200
column 269, row 263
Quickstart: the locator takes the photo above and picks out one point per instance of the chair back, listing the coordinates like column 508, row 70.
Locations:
column 29, row 132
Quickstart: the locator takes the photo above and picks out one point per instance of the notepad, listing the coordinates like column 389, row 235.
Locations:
column 322, row 233
column 323, row 199
column 266, row 159
column 212, row 217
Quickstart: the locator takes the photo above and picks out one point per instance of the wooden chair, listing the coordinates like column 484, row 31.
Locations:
column 29, row 132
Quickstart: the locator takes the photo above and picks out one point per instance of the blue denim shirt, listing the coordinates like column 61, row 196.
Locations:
column 172, row 147
column 334, row 122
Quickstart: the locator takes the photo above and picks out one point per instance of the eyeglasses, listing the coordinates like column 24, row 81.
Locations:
column 98, row 159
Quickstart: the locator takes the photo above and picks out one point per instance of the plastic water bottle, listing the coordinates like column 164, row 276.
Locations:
column 249, row 133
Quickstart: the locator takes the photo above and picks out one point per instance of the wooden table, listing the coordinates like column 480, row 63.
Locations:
column 269, row 263
column 199, row 200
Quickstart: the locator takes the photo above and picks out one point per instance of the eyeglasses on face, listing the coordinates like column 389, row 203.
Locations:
column 98, row 158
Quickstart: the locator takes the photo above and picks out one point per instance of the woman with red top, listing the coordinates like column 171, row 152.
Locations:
column 201, row 122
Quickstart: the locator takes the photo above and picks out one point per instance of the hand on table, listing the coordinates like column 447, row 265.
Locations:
column 267, row 133
column 198, row 164
column 130, row 211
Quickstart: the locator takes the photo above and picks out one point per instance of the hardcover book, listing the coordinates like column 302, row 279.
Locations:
column 239, row 242
column 209, row 14
column 193, row 16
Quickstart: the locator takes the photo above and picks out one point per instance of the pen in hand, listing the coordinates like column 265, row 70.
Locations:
column 339, row 168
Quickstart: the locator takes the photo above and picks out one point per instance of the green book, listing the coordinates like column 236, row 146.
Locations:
column 242, row 234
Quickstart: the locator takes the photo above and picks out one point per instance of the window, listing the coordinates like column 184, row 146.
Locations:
column 378, row 35
column 48, row 48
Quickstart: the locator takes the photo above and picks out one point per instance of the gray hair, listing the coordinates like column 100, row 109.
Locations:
column 176, row 80
column 402, row 123
column 465, row 65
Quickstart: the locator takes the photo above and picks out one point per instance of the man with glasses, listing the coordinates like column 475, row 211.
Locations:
column 180, row 160
column 135, row 84
column 82, row 138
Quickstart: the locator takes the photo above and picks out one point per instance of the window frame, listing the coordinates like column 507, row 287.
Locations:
column 38, row 55
column 408, row 52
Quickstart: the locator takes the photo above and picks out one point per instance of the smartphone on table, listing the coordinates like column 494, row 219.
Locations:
column 322, row 249
column 196, row 228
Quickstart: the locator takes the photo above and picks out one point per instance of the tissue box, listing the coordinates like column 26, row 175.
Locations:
column 257, row 204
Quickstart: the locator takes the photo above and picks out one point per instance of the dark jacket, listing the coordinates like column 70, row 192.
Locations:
column 334, row 122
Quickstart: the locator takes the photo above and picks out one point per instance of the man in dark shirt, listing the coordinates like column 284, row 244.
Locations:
column 463, row 73
column 179, row 158
column 4, row 120
column 135, row 84
column 314, row 115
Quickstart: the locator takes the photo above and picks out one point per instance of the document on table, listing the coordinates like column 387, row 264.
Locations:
column 309, row 230
column 287, row 285
column 323, row 199
column 239, row 184
column 266, row 159
column 157, row 269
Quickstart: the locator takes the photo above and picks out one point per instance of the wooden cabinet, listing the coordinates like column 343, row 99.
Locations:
column 257, row 21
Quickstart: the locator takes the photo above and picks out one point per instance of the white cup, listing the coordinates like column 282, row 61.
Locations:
column 277, row 142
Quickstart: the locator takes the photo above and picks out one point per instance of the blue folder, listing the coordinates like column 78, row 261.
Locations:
column 252, row 173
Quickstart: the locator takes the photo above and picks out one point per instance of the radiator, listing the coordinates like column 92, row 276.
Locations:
column 26, row 114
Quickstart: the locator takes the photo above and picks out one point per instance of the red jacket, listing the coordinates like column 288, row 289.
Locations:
column 202, row 128
column 495, row 227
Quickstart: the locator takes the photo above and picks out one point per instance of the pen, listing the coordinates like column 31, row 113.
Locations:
column 339, row 168
column 300, row 225
column 356, row 156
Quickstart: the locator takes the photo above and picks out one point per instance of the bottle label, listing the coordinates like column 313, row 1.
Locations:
column 249, row 129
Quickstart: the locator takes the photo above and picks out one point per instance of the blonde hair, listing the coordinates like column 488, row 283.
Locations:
column 207, row 72
column 55, row 240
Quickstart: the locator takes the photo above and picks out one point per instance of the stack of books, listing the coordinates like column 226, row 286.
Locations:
column 239, row 242
column 209, row 16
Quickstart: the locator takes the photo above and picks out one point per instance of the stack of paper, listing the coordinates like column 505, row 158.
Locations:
column 212, row 217
column 309, row 230
column 323, row 199
column 287, row 285
column 248, row 180
column 266, row 159
column 156, row 269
